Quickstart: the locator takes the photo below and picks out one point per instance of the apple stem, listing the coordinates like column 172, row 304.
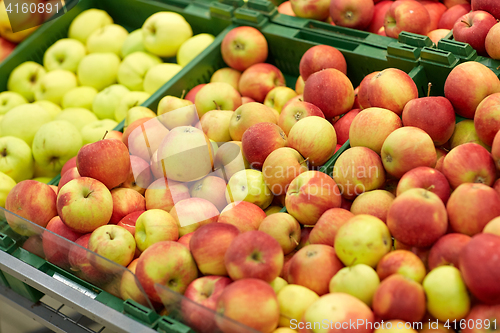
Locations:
column 429, row 86
column 465, row 22
column 295, row 241
column 305, row 161
column 183, row 93
column 430, row 188
column 353, row 261
column 498, row 68
column 104, row 135
column 4, row 152
column 216, row 105
column 301, row 100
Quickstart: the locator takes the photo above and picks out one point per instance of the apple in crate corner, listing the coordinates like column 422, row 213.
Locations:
column 446, row 251
column 409, row 16
column 320, row 57
column 472, row 28
column 352, row 14
column 258, row 80
column 243, row 47
column 402, row 262
column 55, row 247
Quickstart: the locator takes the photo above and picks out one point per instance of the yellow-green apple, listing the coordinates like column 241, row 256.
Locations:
column 325, row 229
column 379, row 11
column 243, row 47
column 153, row 226
column 293, row 301
column 167, row 263
column 227, row 75
column 310, row 194
column 6, row 185
column 98, row 70
column 23, row 122
column 192, row 47
column 186, row 154
column 446, row 250
column 371, row 127
column 260, row 140
column 492, row 48
column 64, row 54
column 109, row 38
column 129, row 286
column 106, row 160
column 294, row 111
column 209, row 244
column 44, row 171
column 191, row 95
column 471, row 207
column 362, row 96
column 146, row 138
column 87, row 22
column 485, row 317
column 210, row 188
column 392, row 88
column 375, row 203
column 164, row 194
column 299, row 85
column 417, row 217
column 24, row 78
column 448, row 19
column 435, row 10
column 356, row 15
column 229, row 159
column 360, row 281
column 438, row 34
column 427, row 178
column 314, row 138
column 272, row 210
column 79, row 97
column 407, row 148
column 158, row 75
column 10, row 100
column 106, row 101
column 316, row 10
column 200, row 302
column 472, row 28
column 387, row 304
column 115, row 244
column 401, row 262
column 247, row 115
column 337, row 309
column 185, row 240
column 16, row 159
column 493, row 227
column 164, row 32
column 281, row 167
column 215, row 125
column 129, row 221
column 469, row 163
column 278, row 284
column 79, row 117
column 244, row 215
column 467, row 85
column 95, row 131
column 33, row 201
column 140, row 176
column 6, row 47
column 278, row 97
column 55, row 248
column 331, row 91
column 313, row 267
column 284, row 228
column 130, row 101
column 364, row 239
column 486, row 118
column 125, row 201
column 251, row 302
column 248, row 185
column 133, row 43
column 68, row 176
column 174, row 111
column 343, row 126
column 80, row 264
column 192, row 213
column 446, row 293
column 259, row 79
column 357, row 170
column 84, row 204
column 465, row 132
column 409, row 16
column 320, row 57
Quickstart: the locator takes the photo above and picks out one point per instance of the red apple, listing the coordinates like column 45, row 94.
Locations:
column 140, row 176
column 71, row 163
column 79, row 262
column 260, row 140
column 67, row 176
column 243, row 47
column 379, row 12
column 472, row 28
column 320, row 57
column 448, row 19
column 281, row 167
column 487, row 118
column 491, row 44
column 495, row 150
column 486, row 318
column 294, row 111
column 343, row 125
column 375, row 203
column 246, row 216
column 435, row 10
column 363, row 101
column 427, row 178
column 128, row 222
column 447, row 249
column 186, row 239
column 325, row 229
column 164, row 194
column 409, row 16
column 402, row 262
column 191, row 95
column 125, row 201
column 490, row 6
column 352, row 14
column 55, row 248
column 259, row 79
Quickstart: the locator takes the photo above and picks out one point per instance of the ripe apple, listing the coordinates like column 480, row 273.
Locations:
column 129, row 221
column 24, row 78
column 356, row 15
column 284, row 228
column 465, row 132
column 87, row 22
column 326, row 228
column 260, row 140
column 343, row 126
column 259, row 79
column 379, row 11
column 145, row 137
column 282, row 166
column 448, row 19
column 98, row 70
column 472, row 28
column 174, row 112
column 320, row 57
column 164, row 194
column 409, row 16
column 217, row 96
column 55, row 248
column 493, row 227
column 106, row 101
column 316, row 10
column 227, row 75
column 401, row 262
column 294, row 111
column 427, row 178
column 129, row 286
column 486, row 118
column 16, row 159
column 184, row 240
column 210, row 188
column 191, row 95
column 247, row 115
column 243, row 47
column 349, row 279
column 489, row 43
column 375, row 203
column 438, row 34
column 244, row 215
column 363, row 89
column 80, row 263
column 446, row 250
column 68, row 176
column 435, row 10
column 65, row 54
column 278, row 97
column 24, row 121
column 248, row 185
column 192, row 213
column 125, row 201
column 153, row 226
column 215, row 125
column 164, row 33
column 286, row 9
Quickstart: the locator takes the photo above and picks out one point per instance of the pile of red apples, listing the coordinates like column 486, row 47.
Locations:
column 403, row 234
column 426, row 17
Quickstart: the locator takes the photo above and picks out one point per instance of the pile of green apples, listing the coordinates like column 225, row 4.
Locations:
column 85, row 86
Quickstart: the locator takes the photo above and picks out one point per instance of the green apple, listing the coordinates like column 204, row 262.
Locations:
column 23, row 121
column 9, row 100
column 106, row 101
column 79, row 117
column 6, row 184
column 79, row 97
column 128, row 101
column 447, row 296
column 173, row 112
column 24, row 78
column 133, row 43
column 138, row 112
column 165, row 32
column 53, row 85
column 134, row 67
column 294, row 301
column 360, row 281
column 153, row 226
column 249, row 185
column 64, row 54
column 98, row 70
column 95, row 130
column 44, row 171
column 109, row 38
column 55, row 143
column 158, row 75
column 364, row 239
column 52, row 108
column 44, row 180
column 16, row 160
column 87, row 22
column 278, row 284
column 192, row 47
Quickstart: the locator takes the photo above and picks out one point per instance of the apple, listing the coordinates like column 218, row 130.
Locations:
column 125, row 201
column 293, row 301
column 164, row 33
column 34, row 245
column 343, row 126
column 260, row 140
column 320, row 57
column 109, row 38
column 356, row 15
column 409, row 16
column 446, row 293
column 349, row 279
column 129, row 286
column 217, row 95
column 134, row 68
column 247, row 115
column 210, row 188
column 375, row 203
column 379, row 11
column 435, row 10
column 192, row 47
column 24, row 121
column 158, row 75
column 227, row 75
column 472, row 28
column 244, row 215
column 489, row 43
column 87, row 22
column 448, row 19
column 316, row 10
column 487, row 315
column 7, row 47
column 495, row 150
column 482, row 83
column 438, row 34
column 286, row 8
column 357, row 170
column 282, row 166
column 184, row 240
column 16, row 160
column 54, row 247
column 71, row 163
column 259, row 79
column 174, row 111
column 80, row 264
column 153, row 226
column 427, row 178
column 249, row 185
column 446, row 250
column 493, row 227
column 24, row 78
column 68, row 176
column 140, row 176
column 192, row 213
column 106, row 101
column 243, row 47
column 331, row 91
column 79, row 97
column 278, row 97
column 363, row 89
column 10, row 100
column 441, row 153
column 133, row 42
column 191, row 95
column 98, row 70
column 132, row 126
column 294, row 111
column 465, row 132
column 129, row 221
column 486, row 118
column 33, row 201
column 163, row 194
column 145, row 138
column 488, row 6
column 64, row 54
column 215, row 125
column 401, row 262
column 6, row 185
column 284, row 228
column 326, row 228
